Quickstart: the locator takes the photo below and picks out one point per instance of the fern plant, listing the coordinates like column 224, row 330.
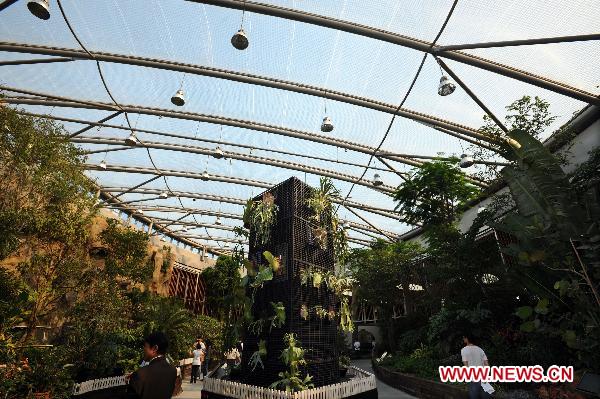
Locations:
column 260, row 216
column 256, row 358
column 278, row 318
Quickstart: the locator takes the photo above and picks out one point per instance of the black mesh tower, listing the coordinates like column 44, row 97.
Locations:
column 292, row 239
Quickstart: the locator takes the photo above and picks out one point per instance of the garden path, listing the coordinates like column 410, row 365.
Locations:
column 190, row 391
column 384, row 391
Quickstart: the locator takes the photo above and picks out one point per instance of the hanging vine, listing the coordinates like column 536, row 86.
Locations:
column 259, row 216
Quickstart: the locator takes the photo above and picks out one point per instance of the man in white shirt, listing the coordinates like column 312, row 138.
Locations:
column 474, row 356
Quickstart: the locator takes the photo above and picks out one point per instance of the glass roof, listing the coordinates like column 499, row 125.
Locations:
column 301, row 53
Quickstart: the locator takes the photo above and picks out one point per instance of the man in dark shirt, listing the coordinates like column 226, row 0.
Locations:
column 157, row 379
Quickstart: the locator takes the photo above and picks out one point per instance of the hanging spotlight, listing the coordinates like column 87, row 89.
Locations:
column 218, row 153
column 131, row 140
column 226, row 245
column 184, row 229
column 39, row 8
column 218, row 221
column 140, row 211
column 178, row 98
column 346, row 225
column 103, row 164
column 377, row 180
column 466, row 161
column 163, row 239
column 326, row 126
column 164, row 195
column 205, row 176
column 240, row 40
column 446, row 87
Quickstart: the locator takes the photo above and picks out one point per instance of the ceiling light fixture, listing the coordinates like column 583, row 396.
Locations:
column 327, row 125
column 446, row 87
column 466, row 161
column 178, row 99
column 131, row 140
column 377, row 180
column 39, row 8
column 240, row 40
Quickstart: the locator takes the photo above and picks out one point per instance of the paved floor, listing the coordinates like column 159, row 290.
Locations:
column 384, row 391
column 192, row 391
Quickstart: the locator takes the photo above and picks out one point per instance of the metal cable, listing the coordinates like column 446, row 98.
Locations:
column 106, row 88
column 401, row 103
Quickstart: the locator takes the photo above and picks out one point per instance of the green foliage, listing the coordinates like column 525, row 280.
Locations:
column 431, row 196
column 259, row 216
column 421, row 362
column 45, row 197
column 278, row 318
column 528, row 114
column 256, row 358
column 127, row 251
column 293, row 357
column 320, row 202
column 221, row 282
column 558, row 243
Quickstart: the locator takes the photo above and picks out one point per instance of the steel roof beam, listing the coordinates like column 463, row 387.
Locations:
column 251, row 79
column 240, row 157
column 235, row 180
column 205, row 140
column 256, row 126
column 522, row 42
column 230, row 200
column 405, row 41
column 36, row 61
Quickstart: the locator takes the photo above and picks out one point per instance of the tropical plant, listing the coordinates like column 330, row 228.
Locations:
column 293, row 358
column 259, row 216
column 433, row 194
column 554, row 229
column 528, row 114
column 278, row 318
column 257, row 356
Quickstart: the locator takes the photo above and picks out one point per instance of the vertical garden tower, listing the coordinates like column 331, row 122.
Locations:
column 310, row 307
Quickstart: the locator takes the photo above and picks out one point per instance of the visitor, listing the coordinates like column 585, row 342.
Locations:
column 473, row 356
column 206, row 358
column 196, row 363
column 157, row 379
column 356, row 346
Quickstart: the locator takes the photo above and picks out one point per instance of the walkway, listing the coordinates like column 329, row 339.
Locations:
column 192, row 391
column 384, row 391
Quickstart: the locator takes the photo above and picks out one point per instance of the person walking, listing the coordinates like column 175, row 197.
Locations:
column 157, row 379
column 206, row 358
column 473, row 356
column 196, row 363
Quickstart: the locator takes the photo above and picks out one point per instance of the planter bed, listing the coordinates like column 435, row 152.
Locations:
column 417, row 386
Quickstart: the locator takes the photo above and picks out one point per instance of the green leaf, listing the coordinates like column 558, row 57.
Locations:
column 542, row 306
column 524, row 312
column 317, row 278
column 272, row 260
column 570, row 338
column 528, row 326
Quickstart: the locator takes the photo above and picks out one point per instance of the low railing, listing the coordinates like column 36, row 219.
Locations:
column 366, row 382
column 110, row 382
column 101, row 383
